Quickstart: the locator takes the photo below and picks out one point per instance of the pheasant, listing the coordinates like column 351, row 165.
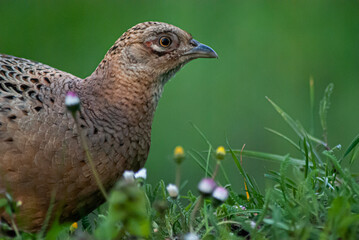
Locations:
column 42, row 161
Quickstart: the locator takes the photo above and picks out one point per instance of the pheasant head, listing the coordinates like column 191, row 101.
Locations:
column 156, row 50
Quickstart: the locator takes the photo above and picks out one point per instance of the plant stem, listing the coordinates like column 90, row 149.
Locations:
column 15, row 227
column 195, row 209
column 216, row 169
column 89, row 158
column 178, row 175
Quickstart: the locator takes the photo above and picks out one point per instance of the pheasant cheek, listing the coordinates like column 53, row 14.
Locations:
column 137, row 54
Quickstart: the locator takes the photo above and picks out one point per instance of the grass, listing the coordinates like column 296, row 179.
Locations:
column 315, row 196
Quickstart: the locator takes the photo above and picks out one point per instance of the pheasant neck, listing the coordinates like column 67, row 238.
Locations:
column 121, row 98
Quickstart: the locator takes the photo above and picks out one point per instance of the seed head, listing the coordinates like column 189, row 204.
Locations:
column 220, row 153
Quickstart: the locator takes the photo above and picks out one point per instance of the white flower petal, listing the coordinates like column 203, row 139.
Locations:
column 142, row 173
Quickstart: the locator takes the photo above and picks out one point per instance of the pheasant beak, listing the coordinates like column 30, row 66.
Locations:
column 200, row 51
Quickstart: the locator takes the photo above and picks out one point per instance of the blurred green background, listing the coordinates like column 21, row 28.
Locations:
column 265, row 48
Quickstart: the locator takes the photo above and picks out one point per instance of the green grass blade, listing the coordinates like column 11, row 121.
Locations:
column 323, row 109
column 239, row 166
column 311, row 95
column 353, row 144
column 283, row 172
column 207, row 160
column 346, row 176
column 202, row 134
column 285, row 138
column 306, row 154
column 270, row 157
column 201, row 165
column 318, row 141
column 293, row 124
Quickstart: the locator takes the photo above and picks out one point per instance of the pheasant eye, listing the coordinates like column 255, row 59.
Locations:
column 165, row 41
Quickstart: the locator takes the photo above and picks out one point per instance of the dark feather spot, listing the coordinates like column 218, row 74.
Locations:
column 38, row 108
column 3, row 73
column 24, row 87
column 39, row 86
column 34, row 80
column 18, row 69
column 113, row 48
column 39, row 98
column 9, row 97
column 47, row 80
column 31, row 93
column 8, row 68
column 3, row 88
column 11, row 117
column 13, row 87
column 10, row 139
column 11, row 74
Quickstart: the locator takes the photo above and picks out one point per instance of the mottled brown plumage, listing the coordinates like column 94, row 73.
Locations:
column 40, row 152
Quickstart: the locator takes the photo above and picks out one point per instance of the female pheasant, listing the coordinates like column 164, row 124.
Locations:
column 41, row 158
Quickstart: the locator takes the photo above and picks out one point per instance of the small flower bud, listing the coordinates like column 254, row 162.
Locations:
column 220, row 194
column 142, row 173
column 128, row 176
column 179, row 154
column 172, row 190
column 253, row 224
column 73, row 227
column 220, row 153
column 72, row 102
column 191, row 236
column 19, row 203
column 206, row 186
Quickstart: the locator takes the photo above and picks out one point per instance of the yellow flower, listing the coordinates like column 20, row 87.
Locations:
column 179, row 154
column 74, row 226
column 220, row 153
